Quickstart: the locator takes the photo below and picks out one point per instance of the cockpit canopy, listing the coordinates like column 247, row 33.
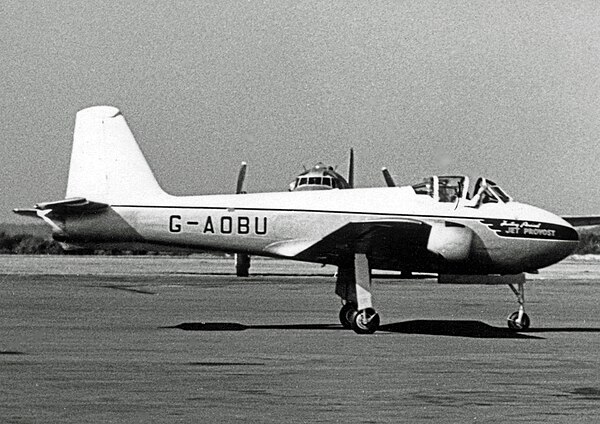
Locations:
column 326, row 182
column 319, row 177
column 452, row 189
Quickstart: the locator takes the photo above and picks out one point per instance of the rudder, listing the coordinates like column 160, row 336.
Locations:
column 107, row 164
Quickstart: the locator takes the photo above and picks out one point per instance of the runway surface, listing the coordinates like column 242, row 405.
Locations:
column 154, row 339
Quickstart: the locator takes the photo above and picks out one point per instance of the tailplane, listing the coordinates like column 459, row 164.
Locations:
column 107, row 164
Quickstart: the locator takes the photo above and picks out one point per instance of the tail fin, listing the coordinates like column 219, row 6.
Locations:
column 107, row 164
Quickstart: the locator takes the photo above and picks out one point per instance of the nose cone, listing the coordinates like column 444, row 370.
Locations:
column 550, row 238
column 563, row 246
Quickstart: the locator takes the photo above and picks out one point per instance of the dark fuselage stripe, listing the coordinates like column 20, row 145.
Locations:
column 339, row 212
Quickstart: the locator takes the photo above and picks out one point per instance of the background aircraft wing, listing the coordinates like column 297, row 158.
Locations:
column 383, row 240
column 582, row 221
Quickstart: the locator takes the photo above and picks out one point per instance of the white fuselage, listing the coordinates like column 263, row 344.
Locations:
column 503, row 238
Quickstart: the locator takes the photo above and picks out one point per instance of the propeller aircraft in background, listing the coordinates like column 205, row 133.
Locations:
column 323, row 177
column 319, row 177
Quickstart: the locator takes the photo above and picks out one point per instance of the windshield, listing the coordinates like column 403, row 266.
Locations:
column 452, row 189
column 426, row 187
column 487, row 191
column 445, row 189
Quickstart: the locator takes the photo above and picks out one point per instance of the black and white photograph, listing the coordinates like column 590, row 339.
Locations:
column 300, row 211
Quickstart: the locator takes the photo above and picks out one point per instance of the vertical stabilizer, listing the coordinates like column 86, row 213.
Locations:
column 107, row 164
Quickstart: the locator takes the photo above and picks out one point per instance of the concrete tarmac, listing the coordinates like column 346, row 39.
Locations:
column 150, row 339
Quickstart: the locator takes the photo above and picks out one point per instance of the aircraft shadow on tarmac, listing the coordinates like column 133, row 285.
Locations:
column 233, row 326
column 471, row 329
column 453, row 328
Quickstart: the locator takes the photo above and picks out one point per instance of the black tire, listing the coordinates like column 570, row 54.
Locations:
column 514, row 325
column 365, row 321
column 347, row 314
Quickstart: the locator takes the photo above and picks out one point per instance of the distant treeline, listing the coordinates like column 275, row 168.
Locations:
column 27, row 244
column 589, row 241
column 36, row 240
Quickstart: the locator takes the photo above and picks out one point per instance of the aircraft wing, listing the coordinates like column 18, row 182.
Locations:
column 381, row 239
column 582, row 221
column 73, row 206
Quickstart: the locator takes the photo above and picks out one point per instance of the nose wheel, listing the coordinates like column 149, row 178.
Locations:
column 518, row 323
column 519, row 320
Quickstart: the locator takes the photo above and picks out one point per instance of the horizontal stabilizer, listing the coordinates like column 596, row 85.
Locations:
column 27, row 212
column 582, row 221
column 74, row 206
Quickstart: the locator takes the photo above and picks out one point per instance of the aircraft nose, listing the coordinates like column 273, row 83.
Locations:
column 558, row 240
column 548, row 238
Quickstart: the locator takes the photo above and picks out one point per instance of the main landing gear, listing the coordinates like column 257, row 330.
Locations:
column 353, row 285
column 347, row 313
column 364, row 322
column 519, row 320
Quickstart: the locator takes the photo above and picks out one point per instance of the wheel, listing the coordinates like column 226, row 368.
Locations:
column 512, row 321
column 346, row 313
column 365, row 321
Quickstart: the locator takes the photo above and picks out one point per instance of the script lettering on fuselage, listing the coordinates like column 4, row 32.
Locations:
column 525, row 229
column 239, row 225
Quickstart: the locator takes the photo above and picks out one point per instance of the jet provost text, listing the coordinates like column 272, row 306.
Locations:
column 530, row 229
column 222, row 225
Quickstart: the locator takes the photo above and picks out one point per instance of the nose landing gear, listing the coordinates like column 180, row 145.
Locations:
column 518, row 323
column 519, row 320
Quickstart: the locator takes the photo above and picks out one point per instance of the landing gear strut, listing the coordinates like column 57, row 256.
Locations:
column 353, row 285
column 519, row 320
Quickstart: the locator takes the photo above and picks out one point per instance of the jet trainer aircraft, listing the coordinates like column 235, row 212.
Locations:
column 436, row 226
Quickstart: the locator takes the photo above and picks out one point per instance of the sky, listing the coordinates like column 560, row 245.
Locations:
column 508, row 90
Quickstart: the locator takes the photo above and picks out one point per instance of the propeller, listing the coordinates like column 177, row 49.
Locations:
column 351, row 169
column 388, row 177
column 241, row 178
column 242, row 260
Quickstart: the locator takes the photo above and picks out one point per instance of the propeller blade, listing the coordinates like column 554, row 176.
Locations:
column 241, row 177
column 388, row 178
column 351, row 169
